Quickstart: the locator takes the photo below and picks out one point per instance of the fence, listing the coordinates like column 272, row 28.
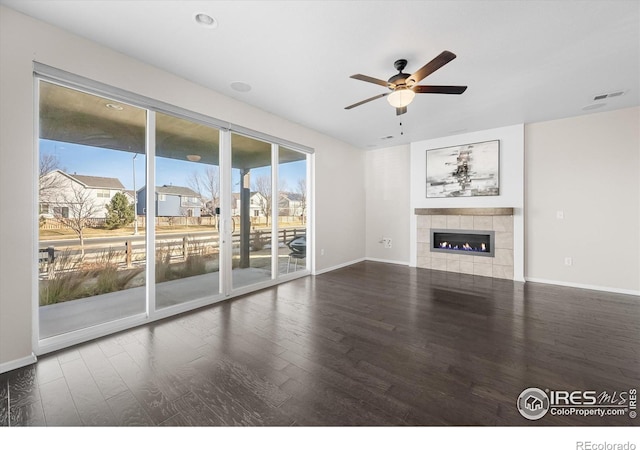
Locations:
column 171, row 221
column 178, row 221
column 175, row 248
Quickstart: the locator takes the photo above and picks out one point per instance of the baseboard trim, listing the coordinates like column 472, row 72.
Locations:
column 339, row 266
column 584, row 286
column 388, row 261
column 17, row 363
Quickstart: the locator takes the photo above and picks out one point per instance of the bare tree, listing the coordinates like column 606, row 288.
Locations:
column 81, row 209
column 207, row 185
column 49, row 184
column 301, row 189
column 186, row 213
column 262, row 186
column 195, row 182
column 213, row 185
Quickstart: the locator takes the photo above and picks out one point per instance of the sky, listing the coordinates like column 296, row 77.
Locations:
column 95, row 161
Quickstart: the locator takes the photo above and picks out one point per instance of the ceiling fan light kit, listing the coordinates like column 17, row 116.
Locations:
column 403, row 86
column 401, row 97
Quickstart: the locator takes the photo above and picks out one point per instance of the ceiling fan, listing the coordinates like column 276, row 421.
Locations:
column 404, row 86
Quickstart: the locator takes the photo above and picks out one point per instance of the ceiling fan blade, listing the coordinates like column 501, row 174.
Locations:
column 367, row 100
column 433, row 65
column 369, row 79
column 439, row 89
column 400, row 111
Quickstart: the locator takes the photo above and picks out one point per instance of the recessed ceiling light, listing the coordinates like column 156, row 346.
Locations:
column 239, row 86
column 205, row 20
column 194, row 158
column 114, row 106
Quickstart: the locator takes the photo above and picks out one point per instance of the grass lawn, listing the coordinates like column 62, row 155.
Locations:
column 101, row 232
column 67, row 233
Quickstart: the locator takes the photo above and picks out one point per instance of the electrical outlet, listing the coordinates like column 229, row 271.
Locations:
column 386, row 242
column 321, row 252
column 568, row 261
column 560, row 215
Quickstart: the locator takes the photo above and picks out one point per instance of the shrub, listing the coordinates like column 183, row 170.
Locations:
column 258, row 242
column 66, row 282
column 195, row 263
column 119, row 212
column 163, row 263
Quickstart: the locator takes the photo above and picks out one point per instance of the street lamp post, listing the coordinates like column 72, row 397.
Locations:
column 135, row 198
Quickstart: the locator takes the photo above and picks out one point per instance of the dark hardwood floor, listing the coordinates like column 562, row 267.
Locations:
column 370, row 344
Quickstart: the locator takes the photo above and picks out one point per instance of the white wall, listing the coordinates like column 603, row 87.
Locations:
column 339, row 168
column 588, row 167
column 511, row 183
column 387, row 206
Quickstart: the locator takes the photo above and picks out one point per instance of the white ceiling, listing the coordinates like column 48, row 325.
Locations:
column 524, row 61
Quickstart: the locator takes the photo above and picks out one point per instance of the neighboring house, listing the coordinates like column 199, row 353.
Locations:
column 172, row 201
column 291, row 204
column 257, row 205
column 62, row 194
column 130, row 196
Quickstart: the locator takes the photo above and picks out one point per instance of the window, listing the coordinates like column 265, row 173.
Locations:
column 61, row 212
column 103, row 193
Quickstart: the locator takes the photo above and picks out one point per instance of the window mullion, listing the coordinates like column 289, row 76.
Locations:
column 151, row 212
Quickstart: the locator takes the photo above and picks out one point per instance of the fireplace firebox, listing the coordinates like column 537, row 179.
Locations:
column 473, row 242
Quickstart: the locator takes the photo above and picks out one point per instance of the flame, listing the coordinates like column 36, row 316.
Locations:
column 466, row 247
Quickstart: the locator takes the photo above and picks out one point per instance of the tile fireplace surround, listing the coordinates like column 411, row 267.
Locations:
column 499, row 220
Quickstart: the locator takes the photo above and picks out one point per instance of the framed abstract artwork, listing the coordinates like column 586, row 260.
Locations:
column 469, row 170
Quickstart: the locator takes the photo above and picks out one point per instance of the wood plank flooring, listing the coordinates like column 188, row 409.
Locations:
column 370, row 344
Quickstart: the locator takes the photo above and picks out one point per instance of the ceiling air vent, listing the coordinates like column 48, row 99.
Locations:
column 608, row 95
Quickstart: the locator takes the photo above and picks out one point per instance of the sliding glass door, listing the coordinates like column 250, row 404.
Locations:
column 292, row 211
column 186, row 198
column 91, row 252
column 147, row 212
column 252, row 211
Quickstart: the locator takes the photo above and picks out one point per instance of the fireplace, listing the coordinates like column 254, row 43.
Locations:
column 473, row 242
column 495, row 227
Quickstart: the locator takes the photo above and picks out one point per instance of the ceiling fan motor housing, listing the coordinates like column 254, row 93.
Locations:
column 399, row 79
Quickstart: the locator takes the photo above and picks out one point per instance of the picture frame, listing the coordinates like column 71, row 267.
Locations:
column 469, row 170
